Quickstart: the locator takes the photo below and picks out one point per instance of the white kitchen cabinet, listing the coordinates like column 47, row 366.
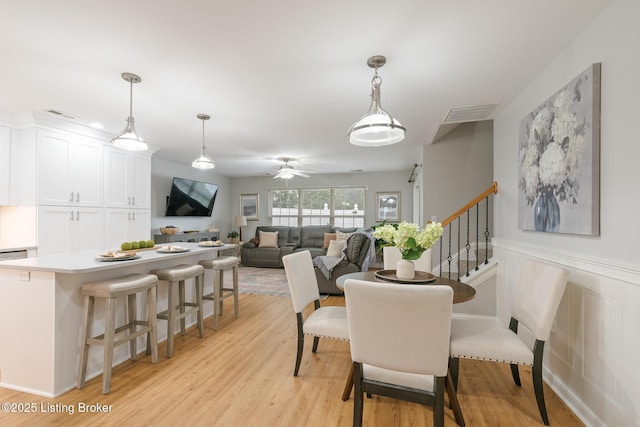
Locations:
column 70, row 169
column 125, row 225
column 5, row 166
column 66, row 229
column 127, row 179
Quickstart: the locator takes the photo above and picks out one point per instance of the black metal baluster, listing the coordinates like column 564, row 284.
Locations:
column 468, row 245
column 477, row 234
column 486, row 233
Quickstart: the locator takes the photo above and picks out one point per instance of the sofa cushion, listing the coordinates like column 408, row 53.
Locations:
column 312, row 236
column 342, row 236
column 283, row 233
column 268, row 239
column 328, row 237
column 354, row 245
column 336, row 247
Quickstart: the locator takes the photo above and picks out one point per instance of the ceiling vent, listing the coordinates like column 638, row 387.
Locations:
column 62, row 114
column 472, row 113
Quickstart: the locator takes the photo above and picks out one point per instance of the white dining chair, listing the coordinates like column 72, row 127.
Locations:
column 326, row 322
column 399, row 338
column 537, row 297
column 391, row 255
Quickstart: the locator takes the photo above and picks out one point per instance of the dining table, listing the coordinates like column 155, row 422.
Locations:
column 462, row 292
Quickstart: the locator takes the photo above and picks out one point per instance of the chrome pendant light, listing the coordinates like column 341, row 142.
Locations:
column 203, row 161
column 128, row 139
column 377, row 127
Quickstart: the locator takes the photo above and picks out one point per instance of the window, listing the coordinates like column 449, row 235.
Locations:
column 340, row 206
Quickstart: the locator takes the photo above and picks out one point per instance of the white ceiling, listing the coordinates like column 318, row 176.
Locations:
column 280, row 78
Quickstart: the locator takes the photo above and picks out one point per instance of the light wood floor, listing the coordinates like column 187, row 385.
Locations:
column 242, row 375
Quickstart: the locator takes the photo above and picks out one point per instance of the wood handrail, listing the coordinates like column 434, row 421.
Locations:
column 491, row 190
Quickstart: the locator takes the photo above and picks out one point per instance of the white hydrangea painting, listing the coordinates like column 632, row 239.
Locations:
column 559, row 160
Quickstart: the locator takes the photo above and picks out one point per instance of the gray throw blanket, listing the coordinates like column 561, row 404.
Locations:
column 326, row 263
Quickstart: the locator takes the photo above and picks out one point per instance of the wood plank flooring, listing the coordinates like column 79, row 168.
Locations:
column 242, row 375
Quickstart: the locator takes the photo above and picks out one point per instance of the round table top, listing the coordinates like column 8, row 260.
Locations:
column 461, row 291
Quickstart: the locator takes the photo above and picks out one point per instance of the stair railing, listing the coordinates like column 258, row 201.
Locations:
column 452, row 232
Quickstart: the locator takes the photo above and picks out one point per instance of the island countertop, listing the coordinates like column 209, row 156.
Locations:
column 87, row 262
column 40, row 356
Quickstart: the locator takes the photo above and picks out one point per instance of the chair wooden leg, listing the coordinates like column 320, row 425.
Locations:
column 152, row 336
column 131, row 321
column 536, row 373
column 438, row 405
column 199, row 281
column 454, row 367
column 87, row 321
column 316, row 340
column 235, row 291
column 453, row 400
column 358, row 401
column 217, row 290
column 515, row 374
column 181, row 298
column 171, row 317
column 348, row 385
column 109, row 332
column 300, row 344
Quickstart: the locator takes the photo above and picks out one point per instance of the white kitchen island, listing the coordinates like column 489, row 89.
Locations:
column 41, row 314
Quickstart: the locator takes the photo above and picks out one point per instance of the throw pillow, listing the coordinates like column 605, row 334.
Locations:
column 268, row 239
column 336, row 247
column 255, row 241
column 328, row 237
column 342, row 236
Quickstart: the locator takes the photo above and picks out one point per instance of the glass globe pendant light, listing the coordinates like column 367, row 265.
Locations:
column 128, row 139
column 203, row 161
column 377, row 127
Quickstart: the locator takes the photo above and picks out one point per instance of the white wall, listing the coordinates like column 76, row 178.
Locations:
column 375, row 182
column 457, row 168
column 162, row 172
column 593, row 358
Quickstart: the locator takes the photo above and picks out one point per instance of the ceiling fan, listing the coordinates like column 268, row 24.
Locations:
column 287, row 172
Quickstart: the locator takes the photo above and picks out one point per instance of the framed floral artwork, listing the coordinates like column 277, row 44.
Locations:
column 559, row 160
column 249, row 206
column 388, row 206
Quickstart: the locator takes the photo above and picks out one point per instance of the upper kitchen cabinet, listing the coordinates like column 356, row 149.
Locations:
column 70, row 169
column 5, row 166
column 127, row 179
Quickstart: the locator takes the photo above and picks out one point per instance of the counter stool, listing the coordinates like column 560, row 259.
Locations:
column 219, row 265
column 110, row 290
column 176, row 276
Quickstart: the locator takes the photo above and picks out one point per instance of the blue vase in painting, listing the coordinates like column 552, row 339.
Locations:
column 546, row 213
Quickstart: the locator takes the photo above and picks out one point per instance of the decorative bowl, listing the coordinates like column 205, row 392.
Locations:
column 169, row 230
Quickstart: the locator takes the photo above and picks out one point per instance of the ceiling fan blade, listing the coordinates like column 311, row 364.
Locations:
column 299, row 173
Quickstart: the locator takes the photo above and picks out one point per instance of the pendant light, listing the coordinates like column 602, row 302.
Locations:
column 203, row 161
column 128, row 139
column 377, row 127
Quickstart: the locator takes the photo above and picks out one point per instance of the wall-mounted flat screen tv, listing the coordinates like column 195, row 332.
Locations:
column 191, row 198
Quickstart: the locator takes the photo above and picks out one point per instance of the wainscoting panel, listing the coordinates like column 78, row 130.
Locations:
column 593, row 356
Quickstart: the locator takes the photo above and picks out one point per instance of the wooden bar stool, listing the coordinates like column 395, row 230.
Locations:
column 220, row 293
column 177, row 276
column 110, row 290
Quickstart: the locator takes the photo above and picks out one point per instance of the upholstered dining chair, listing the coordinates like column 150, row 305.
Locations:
column 399, row 338
column 535, row 303
column 326, row 322
column 391, row 255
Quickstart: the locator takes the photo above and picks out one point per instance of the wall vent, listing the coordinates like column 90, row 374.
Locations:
column 471, row 113
column 62, row 114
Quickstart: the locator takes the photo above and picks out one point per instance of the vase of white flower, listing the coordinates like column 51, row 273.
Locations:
column 410, row 240
column 546, row 213
column 405, row 269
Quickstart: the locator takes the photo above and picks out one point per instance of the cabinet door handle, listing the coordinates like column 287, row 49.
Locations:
column 129, row 200
column 133, row 216
column 77, row 197
column 71, row 216
column 129, row 216
column 77, row 215
column 133, row 201
column 71, row 196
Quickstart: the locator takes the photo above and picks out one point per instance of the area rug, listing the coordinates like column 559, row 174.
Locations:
column 263, row 281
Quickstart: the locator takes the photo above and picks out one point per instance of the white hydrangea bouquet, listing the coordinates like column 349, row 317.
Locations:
column 408, row 238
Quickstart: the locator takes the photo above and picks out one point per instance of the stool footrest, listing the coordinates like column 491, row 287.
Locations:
column 99, row 340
